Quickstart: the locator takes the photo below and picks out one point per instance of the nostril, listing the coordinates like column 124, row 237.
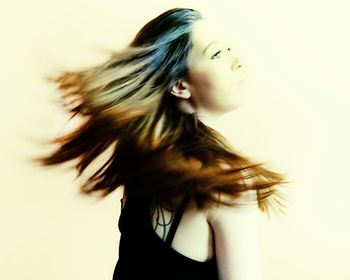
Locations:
column 235, row 67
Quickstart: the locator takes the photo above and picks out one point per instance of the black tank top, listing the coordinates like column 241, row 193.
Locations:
column 143, row 255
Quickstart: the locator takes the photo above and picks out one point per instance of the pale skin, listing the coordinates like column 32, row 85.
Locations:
column 213, row 89
column 216, row 74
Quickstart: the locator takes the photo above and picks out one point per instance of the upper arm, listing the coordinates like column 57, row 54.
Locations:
column 237, row 247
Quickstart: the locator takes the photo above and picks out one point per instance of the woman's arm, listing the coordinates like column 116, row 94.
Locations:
column 237, row 246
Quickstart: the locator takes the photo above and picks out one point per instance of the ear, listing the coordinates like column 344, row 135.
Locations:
column 181, row 89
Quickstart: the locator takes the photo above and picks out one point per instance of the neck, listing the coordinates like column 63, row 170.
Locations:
column 210, row 119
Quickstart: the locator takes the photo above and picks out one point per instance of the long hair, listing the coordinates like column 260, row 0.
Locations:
column 157, row 151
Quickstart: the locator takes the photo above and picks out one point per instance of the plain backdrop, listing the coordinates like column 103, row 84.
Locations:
column 295, row 117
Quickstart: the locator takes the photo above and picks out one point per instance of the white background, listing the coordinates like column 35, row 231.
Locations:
column 295, row 117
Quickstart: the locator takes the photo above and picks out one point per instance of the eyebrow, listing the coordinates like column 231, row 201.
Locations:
column 210, row 45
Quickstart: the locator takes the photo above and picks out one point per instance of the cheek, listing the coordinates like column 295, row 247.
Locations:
column 213, row 83
column 201, row 83
column 204, row 90
column 208, row 77
column 227, row 82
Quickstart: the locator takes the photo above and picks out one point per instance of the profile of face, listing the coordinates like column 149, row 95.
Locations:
column 215, row 73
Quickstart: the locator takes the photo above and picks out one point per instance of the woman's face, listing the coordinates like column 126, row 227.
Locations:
column 215, row 71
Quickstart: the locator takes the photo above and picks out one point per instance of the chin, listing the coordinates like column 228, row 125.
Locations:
column 238, row 98
column 236, row 102
column 236, row 106
column 231, row 107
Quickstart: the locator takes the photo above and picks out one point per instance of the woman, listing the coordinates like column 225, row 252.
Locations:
column 152, row 104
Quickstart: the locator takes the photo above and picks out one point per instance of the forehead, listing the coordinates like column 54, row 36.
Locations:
column 204, row 32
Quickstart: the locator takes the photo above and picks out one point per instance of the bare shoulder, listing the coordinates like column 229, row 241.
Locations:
column 247, row 204
column 236, row 234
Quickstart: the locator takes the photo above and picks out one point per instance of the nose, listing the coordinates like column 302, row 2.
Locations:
column 235, row 64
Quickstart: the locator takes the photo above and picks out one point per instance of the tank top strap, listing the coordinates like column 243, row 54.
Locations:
column 176, row 220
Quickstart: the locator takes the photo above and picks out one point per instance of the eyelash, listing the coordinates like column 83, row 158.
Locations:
column 214, row 55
